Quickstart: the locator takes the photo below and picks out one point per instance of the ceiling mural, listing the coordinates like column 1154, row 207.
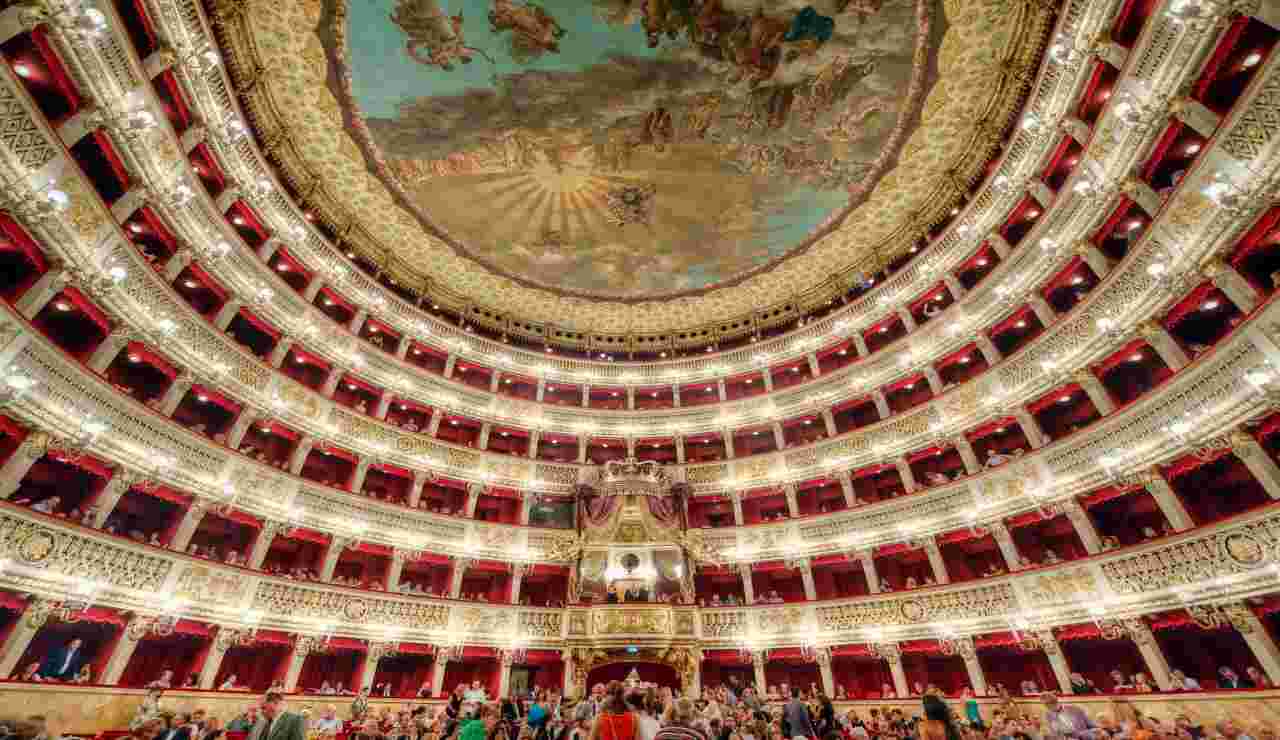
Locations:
column 631, row 148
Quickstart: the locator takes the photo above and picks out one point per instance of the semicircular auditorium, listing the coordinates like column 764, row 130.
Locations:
column 373, row 368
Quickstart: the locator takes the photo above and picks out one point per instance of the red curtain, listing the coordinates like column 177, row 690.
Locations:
column 945, row 672
column 466, row 671
column 1010, row 666
column 794, row 674
column 862, row 678
column 339, row 666
column 255, row 666
column 663, row 675
column 1096, row 658
column 1199, row 653
column 180, row 653
column 406, row 673
column 99, row 639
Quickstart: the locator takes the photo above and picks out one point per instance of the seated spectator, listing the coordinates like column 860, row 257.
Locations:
column 1119, row 682
column 1229, row 679
column 1183, row 682
column 62, row 664
column 1081, row 685
column 165, row 681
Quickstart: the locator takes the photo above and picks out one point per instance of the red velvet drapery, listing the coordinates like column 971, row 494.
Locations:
column 339, row 666
column 1199, row 653
column 256, row 666
column 180, row 652
column 484, row 670
column 1009, row 665
column 406, row 673
column 863, row 677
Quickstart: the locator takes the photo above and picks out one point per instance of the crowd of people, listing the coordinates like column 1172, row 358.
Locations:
column 631, row 711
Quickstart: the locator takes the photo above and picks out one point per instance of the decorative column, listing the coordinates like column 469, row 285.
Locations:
column 240, row 428
column 517, row 578
column 1041, row 308
column 105, row 502
column 935, row 380
column 822, row 657
column 262, row 545
column 1257, row 460
column 133, row 632
column 44, row 290
column 1171, row 353
column 268, row 249
column 495, row 377
column 1168, row 500
column 882, row 403
column 437, row 673
column 582, row 452
column 1237, row 287
column 357, row 321
column 680, row 458
column 869, row 570
column 892, row 653
column 376, row 651
column 1096, row 391
column 904, row 314
column 227, row 313
column 936, row 563
column 815, row 369
column 473, row 499
column 19, row 464
column 534, row 436
column 437, row 416
column 967, row 455
column 1255, row 635
column 793, row 506
column 23, row 632
column 362, row 471
column 860, row 344
column 988, row 348
column 736, row 497
column 402, row 347
column 384, row 405
column 281, row 350
column 303, row 646
column 748, row 590
column 904, row 472
column 1057, row 661
column 675, row 395
column 331, row 381
column 1000, row 533
column 1094, row 258
column 1000, row 245
column 337, row 545
column 727, row 436
column 977, row 679
column 1083, row 525
column 505, row 661
column 757, row 664
column 222, row 641
column 191, row 519
column 180, row 261
column 485, row 430
column 779, row 438
column 1140, row 632
column 767, row 378
column 396, row 569
column 586, row 395
column 805, row 566
column 567, row 687
column 829, row 422
column 846, row 488
column 526, row 507
column 415, row 492
column 176, row 391
column 313, row 288
column 721, row 391
column 954, row 286
column 300, row 453
column 449, row 362
column 456, row 575
column 110, row 348
column 1030, row 427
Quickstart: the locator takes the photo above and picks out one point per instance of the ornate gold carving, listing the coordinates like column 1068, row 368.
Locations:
column 631, row 622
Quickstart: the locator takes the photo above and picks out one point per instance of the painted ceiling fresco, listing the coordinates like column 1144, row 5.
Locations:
column 624, row 148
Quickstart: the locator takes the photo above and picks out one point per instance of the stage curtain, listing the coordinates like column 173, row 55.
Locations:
column 663, row 675
column 336, row 667
column 177, row 652
column 255, row 666
column 406, row 673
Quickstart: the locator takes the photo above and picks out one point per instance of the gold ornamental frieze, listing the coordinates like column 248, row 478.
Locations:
column 1076, row 585
column 609, row 621
column 56, row 551
column 211, row 585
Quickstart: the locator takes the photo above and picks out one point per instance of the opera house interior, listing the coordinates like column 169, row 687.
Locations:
column 304, row 391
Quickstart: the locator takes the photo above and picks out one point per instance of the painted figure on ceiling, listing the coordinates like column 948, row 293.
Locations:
column 534, row 30
column 433, row 38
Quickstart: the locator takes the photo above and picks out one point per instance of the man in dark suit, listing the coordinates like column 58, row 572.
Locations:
column 277, row 724
column 180, row 728
column 63, row 664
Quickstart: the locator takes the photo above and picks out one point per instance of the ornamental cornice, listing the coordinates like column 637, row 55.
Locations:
column 1209, row 570
column 319, row 255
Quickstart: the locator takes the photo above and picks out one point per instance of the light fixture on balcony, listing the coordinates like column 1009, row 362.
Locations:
column 33, row 203
column 15, row 387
